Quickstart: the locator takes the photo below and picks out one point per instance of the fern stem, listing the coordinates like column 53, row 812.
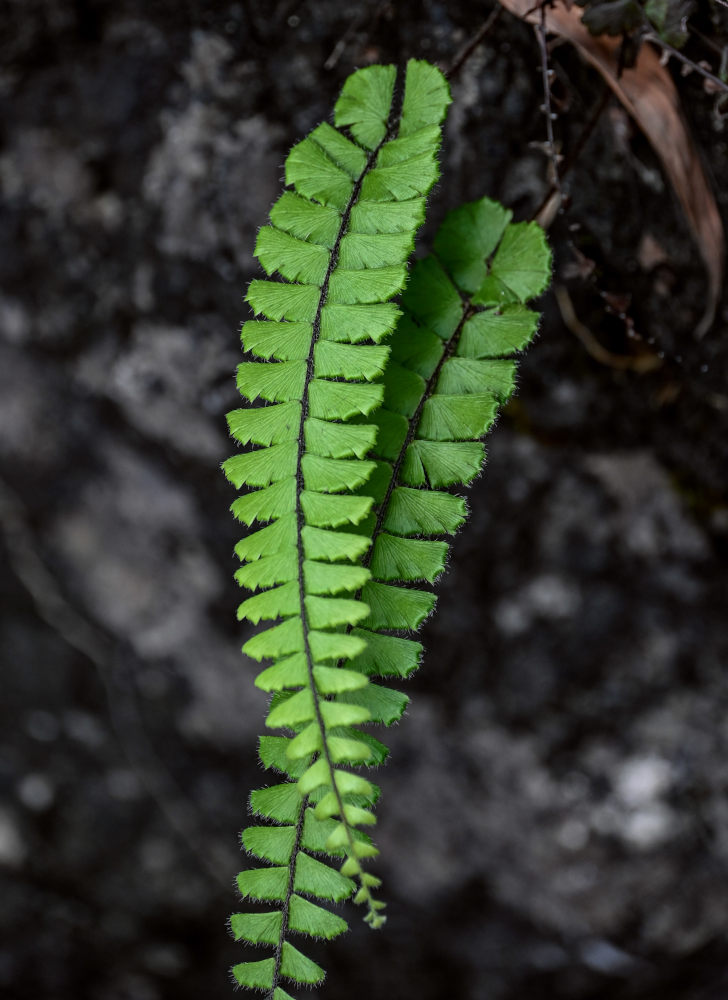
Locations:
column 300, row 521
column 287, row 900
column 430, row 384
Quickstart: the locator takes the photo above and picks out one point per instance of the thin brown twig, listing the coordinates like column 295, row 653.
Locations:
column 640, row 363
column 704, row 39
column 715, row 80
column 569, row 162
column 340, row 45
column 472, row 45
column 546, row 73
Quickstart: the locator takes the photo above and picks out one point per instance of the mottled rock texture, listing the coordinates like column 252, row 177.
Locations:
column 554, row 822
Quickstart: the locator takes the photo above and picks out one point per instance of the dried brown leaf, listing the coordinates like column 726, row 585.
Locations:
column 648, row 93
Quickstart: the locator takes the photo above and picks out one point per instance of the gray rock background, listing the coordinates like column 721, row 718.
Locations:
column 554, row 821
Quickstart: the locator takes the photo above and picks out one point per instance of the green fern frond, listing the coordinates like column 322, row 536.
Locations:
column 339, row 242
column 452, row 367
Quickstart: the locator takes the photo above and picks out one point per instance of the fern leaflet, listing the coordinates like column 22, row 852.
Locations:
column 451, row 369
column 339, row 240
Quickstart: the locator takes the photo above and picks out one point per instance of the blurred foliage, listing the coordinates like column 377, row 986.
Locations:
column 666, row 18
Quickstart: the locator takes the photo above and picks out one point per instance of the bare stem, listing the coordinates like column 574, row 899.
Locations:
column 575, row 153
column 465, row 53
column 546, row 73
column 715, row 80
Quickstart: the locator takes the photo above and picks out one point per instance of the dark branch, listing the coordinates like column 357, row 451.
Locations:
column 466, row 52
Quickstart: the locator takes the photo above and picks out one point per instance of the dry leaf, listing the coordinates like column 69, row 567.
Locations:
column 647, row 92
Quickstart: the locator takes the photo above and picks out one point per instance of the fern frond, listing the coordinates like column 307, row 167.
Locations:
column 339, row 243
column 452, row 366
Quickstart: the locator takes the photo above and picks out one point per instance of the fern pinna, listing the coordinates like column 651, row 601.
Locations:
column 340, row 241
column 451, row 367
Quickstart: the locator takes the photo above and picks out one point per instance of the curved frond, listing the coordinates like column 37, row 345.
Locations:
column 452, row 366
column 336, row 253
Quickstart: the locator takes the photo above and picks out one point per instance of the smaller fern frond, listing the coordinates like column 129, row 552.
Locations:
column 452, row 367
column 336, row 253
